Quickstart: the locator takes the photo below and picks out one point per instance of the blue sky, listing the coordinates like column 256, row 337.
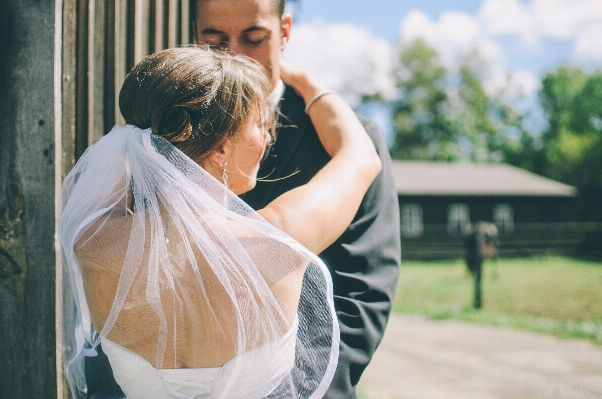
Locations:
column 554, row 45
column 383, row 17
column 349, row 44
column 379, row 16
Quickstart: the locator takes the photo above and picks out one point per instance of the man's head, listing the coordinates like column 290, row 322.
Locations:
column 256, row 28
column 277, row 6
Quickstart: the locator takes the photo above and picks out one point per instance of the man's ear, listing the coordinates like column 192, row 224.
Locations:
column 285, row 30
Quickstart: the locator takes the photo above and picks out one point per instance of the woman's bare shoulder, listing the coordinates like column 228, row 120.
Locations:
column 106, row 239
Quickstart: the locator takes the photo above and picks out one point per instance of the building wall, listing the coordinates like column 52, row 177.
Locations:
column 536, row 225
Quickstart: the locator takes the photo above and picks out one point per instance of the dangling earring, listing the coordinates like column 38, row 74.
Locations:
column 224, row 175
column 225, row 180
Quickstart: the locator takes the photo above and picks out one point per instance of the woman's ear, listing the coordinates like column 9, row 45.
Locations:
column 217, row 158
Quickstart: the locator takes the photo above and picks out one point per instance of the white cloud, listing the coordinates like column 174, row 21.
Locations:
column 578, row 21
column 501, row 17
column 588, row 45
column 566, row 19
column 454, row 35
column 345, row 57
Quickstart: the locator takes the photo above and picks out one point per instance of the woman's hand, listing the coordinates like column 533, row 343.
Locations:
column 318, row 212
column 303, row 83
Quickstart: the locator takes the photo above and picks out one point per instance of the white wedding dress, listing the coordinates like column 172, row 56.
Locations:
column 138, row 379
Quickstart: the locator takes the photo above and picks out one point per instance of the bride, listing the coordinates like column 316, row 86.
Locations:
column 190, row 292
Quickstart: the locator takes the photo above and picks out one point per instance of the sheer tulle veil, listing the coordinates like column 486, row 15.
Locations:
column 165, row 261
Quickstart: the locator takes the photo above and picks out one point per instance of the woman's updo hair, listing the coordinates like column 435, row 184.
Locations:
column 196, row 98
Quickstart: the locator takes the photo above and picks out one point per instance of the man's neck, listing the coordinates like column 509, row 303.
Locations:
column 276, row 94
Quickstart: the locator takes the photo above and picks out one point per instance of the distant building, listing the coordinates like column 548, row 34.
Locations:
column 438, row 200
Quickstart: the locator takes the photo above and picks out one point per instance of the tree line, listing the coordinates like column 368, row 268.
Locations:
column 450, row 115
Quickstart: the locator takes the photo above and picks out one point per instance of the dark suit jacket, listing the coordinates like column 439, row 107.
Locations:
column 364, row 261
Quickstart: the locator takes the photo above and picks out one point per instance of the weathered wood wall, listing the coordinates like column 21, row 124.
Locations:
column 62, row 63
column 101, row 41
column 27, row 199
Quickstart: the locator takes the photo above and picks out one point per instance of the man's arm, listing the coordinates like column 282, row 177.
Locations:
column 364, row 263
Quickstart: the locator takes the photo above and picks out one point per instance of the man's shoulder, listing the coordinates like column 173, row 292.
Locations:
column 375, row 132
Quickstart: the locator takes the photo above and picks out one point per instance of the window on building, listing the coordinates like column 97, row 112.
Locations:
column 503, row 217
column 458, row 217
column 411, row 220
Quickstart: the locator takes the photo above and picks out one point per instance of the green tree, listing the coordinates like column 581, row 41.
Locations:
column 488, row 123
column 562, row 147
column 422, row 128
column 572, row 143
column 449, row 115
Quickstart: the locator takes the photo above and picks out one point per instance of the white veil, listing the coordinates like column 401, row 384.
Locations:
column 166, row 262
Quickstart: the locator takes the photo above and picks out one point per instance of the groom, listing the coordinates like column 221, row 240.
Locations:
column 364, row 262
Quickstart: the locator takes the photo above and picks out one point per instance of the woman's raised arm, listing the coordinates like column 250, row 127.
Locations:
column 317, row 213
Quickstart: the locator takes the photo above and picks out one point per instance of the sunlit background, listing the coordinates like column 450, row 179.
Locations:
column 517, row 82
column 478, row 82
column 353, row 45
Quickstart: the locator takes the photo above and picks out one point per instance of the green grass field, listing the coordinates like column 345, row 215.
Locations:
column 557, row 296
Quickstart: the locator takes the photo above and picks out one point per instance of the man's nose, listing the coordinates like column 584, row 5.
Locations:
column 234, row 47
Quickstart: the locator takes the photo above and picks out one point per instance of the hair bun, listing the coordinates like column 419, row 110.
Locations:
column 175, row 125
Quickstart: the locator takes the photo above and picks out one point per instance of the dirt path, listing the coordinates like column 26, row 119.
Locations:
column 427, row 359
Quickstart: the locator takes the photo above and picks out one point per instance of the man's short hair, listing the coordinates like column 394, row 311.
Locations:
column 277, row 6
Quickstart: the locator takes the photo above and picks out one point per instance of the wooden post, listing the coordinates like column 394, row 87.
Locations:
column 27, row 199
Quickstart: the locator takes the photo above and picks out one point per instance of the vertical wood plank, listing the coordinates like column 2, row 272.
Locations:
column 185, row 22
column 121, row 20
column 69, row 68
column 62, row 390
column 172, row 24
column 96, row 70
column 141, row 31
column 159, row 26
column 27, row 210
column 65, row 154
column 81, row 77
column 109, row 66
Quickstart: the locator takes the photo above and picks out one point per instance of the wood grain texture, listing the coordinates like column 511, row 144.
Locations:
column 27, row 200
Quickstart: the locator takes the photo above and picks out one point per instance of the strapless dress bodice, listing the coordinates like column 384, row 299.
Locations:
column 252, row 374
